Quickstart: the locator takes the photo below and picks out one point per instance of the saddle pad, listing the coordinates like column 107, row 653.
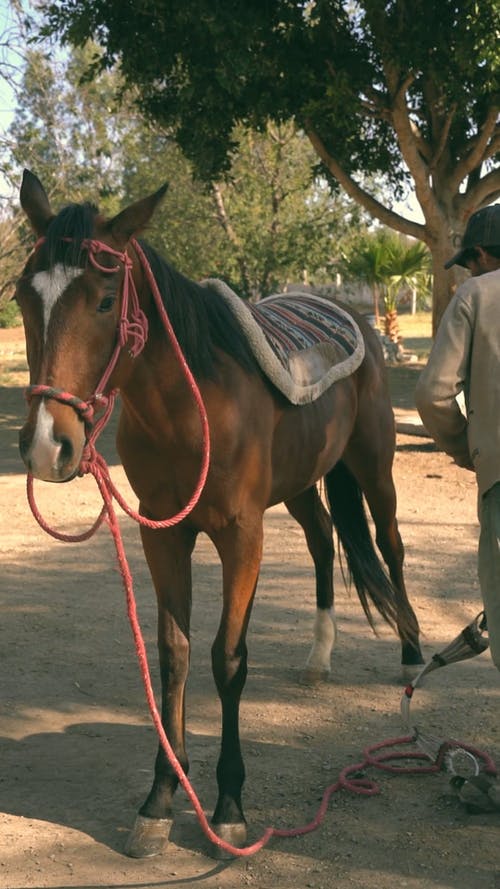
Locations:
column 302, row 342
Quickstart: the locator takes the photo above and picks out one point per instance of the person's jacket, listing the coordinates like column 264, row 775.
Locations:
column 465, row 358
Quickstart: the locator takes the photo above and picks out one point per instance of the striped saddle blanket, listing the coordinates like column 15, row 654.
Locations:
column 302, row 342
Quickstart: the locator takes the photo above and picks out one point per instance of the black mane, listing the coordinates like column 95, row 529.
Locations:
column 201, row 319
column 63, row 241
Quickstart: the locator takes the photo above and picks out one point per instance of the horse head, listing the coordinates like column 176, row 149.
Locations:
column 71, row 295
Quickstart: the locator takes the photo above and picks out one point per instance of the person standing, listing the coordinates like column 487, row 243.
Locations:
column 465, row 358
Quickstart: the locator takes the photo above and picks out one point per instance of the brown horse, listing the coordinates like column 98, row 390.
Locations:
column 264, row 450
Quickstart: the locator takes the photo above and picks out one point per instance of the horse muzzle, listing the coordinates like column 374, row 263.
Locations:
column 51, row 442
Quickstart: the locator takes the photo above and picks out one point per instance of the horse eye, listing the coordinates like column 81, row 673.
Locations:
column 106, row 304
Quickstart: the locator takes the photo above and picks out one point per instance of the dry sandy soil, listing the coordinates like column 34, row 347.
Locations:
column 77, row 746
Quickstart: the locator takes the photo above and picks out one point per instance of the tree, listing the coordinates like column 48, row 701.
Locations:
column 406, row 89
column 267, row 222
column 12, row 59
column 367, row 262
column 408, row 266
column 388, row 263
column 55, row 134
column 73, row 134
column 282, row 223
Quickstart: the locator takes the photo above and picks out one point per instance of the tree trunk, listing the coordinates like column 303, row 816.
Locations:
column 445, row 282
column 445, row 209
column 376, row 310
column 227, row 225
column 391, row 325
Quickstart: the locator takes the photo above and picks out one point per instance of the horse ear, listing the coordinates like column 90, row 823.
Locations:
column 35, row 203
column 135, row 217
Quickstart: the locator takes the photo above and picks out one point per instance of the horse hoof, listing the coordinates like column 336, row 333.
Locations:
column 148, row 837
column 235, row 834
column 314, row 675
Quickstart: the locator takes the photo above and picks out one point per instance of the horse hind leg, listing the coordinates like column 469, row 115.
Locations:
column 379, row 490
column 382, row 504
column 308, row 510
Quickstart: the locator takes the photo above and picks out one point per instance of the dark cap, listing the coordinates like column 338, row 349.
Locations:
column 483, row 230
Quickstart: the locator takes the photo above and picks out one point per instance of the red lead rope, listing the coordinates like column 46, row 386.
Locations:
column 351, row 777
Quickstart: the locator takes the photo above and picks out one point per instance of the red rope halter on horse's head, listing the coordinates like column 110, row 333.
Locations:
column 132, row 325
column 132, row 331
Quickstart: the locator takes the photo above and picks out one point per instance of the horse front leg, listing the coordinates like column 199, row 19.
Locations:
column 240, row 550
column 168, row 554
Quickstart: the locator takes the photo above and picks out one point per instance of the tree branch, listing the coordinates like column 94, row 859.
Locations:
column 400, row 95
column 423, row 146
column 404, row 127
column 375, row 104
column 485, row 190
column 443, row 139
column 374, row 207
column 479, row 149
column 374, row 111
column 222, row 215
column 493, row 147
column 226, row 224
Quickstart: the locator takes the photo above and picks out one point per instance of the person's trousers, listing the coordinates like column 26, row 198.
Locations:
column 489, row 566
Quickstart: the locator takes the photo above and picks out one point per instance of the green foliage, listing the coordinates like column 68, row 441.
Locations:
column 204, row 67
column 285, row 225
column 267, row 222
column 389, row 265
column 10, row 315
column 403, row 92
column 408, row 268
column 73, row 135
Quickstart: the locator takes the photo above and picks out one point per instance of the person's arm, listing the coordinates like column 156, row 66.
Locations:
column 443, row 379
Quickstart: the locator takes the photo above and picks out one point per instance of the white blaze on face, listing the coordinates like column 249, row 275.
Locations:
column 45, row 450
column 51, row 286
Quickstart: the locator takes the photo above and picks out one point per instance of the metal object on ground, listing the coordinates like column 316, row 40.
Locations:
column 455, row 757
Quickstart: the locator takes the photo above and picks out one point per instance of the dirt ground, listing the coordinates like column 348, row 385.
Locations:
column 77, row 745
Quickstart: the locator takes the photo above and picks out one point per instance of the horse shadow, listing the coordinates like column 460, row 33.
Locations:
column 80, row 779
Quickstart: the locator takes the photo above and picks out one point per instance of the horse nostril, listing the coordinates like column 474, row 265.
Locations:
column 67, row 451
column 24, row 445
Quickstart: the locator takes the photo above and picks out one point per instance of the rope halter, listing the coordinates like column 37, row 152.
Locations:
column 131, row 332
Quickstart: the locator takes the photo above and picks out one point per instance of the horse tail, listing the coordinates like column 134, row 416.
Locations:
column 373, row 585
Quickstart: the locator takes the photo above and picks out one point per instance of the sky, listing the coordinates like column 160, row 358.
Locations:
column 8, row 57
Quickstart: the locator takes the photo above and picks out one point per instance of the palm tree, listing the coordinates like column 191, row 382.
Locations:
column 389, row 263
column 367, row 262
column 408, row 266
